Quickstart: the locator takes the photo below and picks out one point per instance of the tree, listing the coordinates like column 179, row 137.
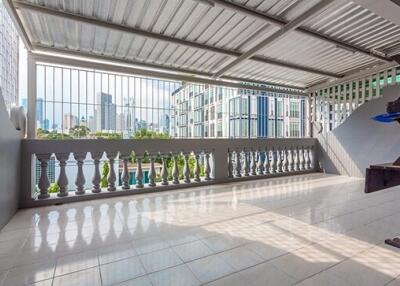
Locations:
column 149, row 134
column 51, row 135
column 79, row 131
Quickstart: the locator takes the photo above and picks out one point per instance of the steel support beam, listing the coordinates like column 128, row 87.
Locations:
column 131, row 30
column 283, row 31
column 112, row 66
column 8, row 4
column 188, row 72
column 304, row 30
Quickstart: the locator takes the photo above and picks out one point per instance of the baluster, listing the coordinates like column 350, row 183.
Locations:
column 139, row 172
column 152, row 172
column 246, row 163
column 306, row 159
column 175, row 170
column 62, row 181
column 96, row 176
column 290, row 160
column 266, row 162
column 111, row 174
column 284, row 161
column 186, row 169
column 80, row 178
column 301, row 158
column 238, row 169
column 312, row 158
column 230, row 165
column 260, row 163
column 164, row 170
column 44, row 182
column 197, row 168
column 278, row 161
column 125, row 173
column 253, row 165
column 273, row 161
column 207, row 169
column 295, row 160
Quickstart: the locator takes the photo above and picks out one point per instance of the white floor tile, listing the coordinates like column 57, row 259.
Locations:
column 86, row 277
column 240, row 258
column 210, row 268
column 76, row 262
column 121, row 271
column 313, row 229
column 22, row 275
column 267, row 274
column 175, row 276
column 192, row 250
column 140, row 281
column 159, row 260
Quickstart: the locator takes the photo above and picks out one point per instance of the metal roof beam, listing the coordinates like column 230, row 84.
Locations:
column 111, row 65
column 304, row 30
column 283, row 31
column 131, row 30
column 47, row 50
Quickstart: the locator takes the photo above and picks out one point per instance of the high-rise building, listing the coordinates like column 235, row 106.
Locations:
column 69, row 121
column 105, row 112
column 213, row 112
column 8, row 58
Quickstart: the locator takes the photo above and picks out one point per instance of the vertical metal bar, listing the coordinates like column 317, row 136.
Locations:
column 70, row 97
column 378, row 85
column 393, row 76
column 363, row 90
column 62, row 100
column 32, row 96
column 370, row 88
column 54, row 98
column 79, row 97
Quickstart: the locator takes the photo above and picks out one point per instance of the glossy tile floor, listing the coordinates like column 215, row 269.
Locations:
column 303, row 230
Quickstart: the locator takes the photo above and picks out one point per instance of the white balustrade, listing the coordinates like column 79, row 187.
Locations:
column 80, row 178
column 125, row 172
column 62, row 180
column 139, row 172
column 44, row 182
column 163, row 168
column 111, row 174
column 96, row 176
column 260, row 163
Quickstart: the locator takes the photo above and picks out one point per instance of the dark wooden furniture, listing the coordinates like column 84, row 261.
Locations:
column 382, row 176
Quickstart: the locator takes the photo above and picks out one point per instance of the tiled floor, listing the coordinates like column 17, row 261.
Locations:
column 303, row 230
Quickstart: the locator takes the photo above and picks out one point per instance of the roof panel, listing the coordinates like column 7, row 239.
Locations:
column 217, row 26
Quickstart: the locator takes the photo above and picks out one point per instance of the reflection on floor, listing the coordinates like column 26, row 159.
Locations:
column 305, row 230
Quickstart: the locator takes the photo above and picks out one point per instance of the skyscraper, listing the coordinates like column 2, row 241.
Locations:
column 8, row 58
column 105, row 112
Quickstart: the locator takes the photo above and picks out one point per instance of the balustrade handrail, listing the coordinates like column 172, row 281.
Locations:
column 221, row 160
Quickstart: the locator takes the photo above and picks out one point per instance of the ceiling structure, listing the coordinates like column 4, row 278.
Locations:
column 295, row 43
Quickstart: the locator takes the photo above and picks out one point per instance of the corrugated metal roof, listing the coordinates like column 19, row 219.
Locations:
column 216, row 26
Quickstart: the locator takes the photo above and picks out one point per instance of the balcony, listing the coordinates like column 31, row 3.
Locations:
column 219, row 160
column 269, row 191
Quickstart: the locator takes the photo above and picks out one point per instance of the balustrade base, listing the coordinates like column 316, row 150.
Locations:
column 73, row 197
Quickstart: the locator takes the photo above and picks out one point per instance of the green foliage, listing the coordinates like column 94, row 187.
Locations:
column 105, row 135
column 148, row 134
column 104, row 174
column 79, row 131
column 52, row 135
column 54, row 188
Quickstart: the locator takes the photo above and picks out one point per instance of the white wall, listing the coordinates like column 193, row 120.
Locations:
column 9, row 166
column 360, row 141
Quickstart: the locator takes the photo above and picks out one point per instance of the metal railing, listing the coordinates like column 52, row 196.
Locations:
column 158, row 164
